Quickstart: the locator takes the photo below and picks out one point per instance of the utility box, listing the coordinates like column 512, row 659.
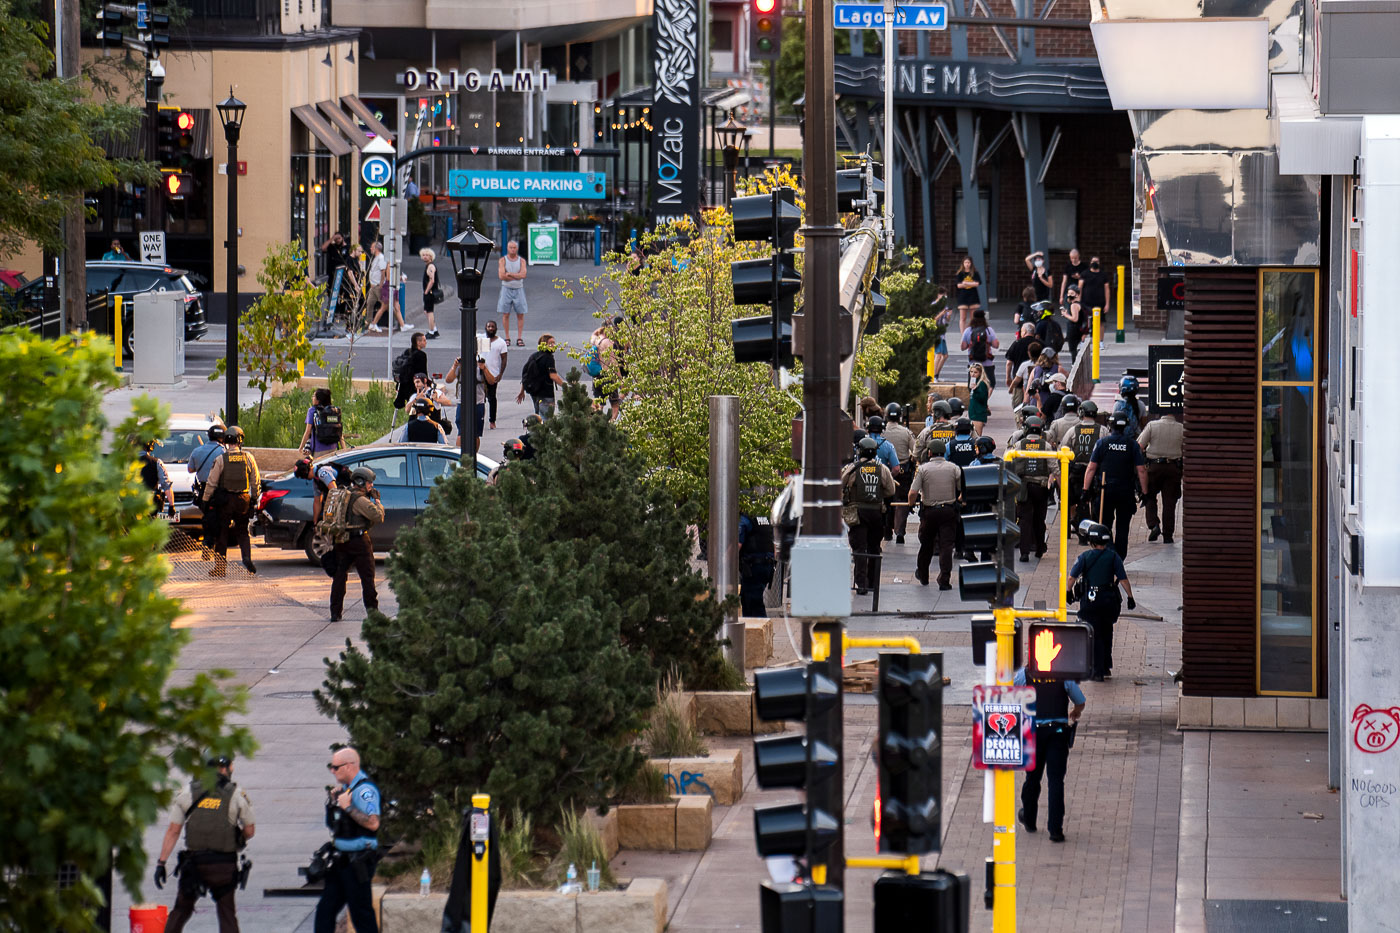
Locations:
column 158, row 337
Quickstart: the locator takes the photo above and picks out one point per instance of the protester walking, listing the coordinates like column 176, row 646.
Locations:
column 968, row 282
column 979, row 398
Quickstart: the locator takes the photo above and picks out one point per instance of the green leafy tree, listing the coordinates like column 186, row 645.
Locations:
column 678, row 351
column 48, row 137
column 792, row 60
column 87, row 646
column 272, row 333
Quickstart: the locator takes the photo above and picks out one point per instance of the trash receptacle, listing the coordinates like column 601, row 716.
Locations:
column 158, row 333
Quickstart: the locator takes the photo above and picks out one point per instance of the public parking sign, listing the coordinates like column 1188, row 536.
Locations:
column 906, row 16
column 1003, row 727
column 1166, row 366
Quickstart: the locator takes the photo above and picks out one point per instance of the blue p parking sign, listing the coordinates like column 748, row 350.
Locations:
column 376, row 171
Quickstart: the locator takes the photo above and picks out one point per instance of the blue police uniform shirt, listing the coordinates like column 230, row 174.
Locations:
column 1076, row 696
column 204, row 457
column 364, row 796
column 1081, row 564
column 885, row 453
column 1118, row 456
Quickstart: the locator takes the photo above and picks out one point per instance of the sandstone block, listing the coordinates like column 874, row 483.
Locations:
column 530, row 912
column 647, row 826
column 639, row 908
column 410, row 913
column 607, row 830
column 693, row 823
column 719, row 775
column 1193, row 713
column 724, row 712
column 1261, row 712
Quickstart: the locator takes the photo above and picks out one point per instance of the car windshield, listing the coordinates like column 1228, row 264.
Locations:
column 177, row 447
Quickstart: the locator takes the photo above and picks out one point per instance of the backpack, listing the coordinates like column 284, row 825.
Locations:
column 326, row 425
column 533, row 376
column 400, row 362
column 865, row 491
column 977, row 351
column 593, row 361
column 335, row 516
column 1054, row 336
column 1086, row 436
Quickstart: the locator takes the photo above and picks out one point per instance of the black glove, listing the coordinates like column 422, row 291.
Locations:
column 160, row 875
column 1132, row 603
column 1069, row 595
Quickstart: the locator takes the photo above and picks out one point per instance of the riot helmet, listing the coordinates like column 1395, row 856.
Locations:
column 937, row 449
column 1128, row 385
column 942, row 411
column 1099, row 534
column 513, row 449
column 216, row 433
column 1118, row 421
column 964, row 426
column 985, row 445
column 894, row 413
column 956, row 406
column 868, row 446
column 1089, row 410
column 531, row 420
column 874, row 424
column 1035, row 424
column 234, row 435
column 421, row 406
column 362, row 476
column 1071, row 402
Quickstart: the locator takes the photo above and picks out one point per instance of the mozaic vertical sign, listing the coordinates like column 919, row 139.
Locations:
column 675, row 111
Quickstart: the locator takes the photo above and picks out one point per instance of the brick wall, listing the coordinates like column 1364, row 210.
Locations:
column 1151, row 318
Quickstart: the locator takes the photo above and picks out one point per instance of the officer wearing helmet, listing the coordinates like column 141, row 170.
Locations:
column 866, row 485
column 231, row 490
column 986, row 451
column 885, row 453
column 157, row 480
column 956, row 408
column 1081, row 436
column 1119, row 461
column 938, row 427
column 1094, row 581
column 422, row 429
column 963, row 449
column 531, row 421
column 1033, row 500
column 200, row 463
column 217, row 822
column 1130, row 405
column 935, row 490
column 362, row 511
column 902, row 440
column 1064, row 424
column 1023, row 412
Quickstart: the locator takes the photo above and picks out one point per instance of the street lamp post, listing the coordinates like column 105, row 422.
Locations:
column 469, row 252
column 231, row 115
column 730, row 133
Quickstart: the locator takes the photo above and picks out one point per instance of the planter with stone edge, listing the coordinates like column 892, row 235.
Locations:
column 639, row 906
column 719, row 775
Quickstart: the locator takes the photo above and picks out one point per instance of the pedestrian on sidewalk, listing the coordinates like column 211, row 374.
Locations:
column 979, row 397
column 1161, row 445
column 1055, row 723
column 324, row 430
column 936, row 485
column 233, row 481
column 539, row 376
column 968, row 282
column 1119, row 461
column 510, row 269
column 1102, row 572
column 608, row 355
column 415, row 364
column 432, row 289
column 1042, row 281
column 497, row 354
column 943, row 312
column 866, row 484
column 1033, row 500
column 1021, row 382
column 382, row 290
column 351, row 519
column 217, row 822
column 483, row 382
column 980, row 342
column 1016, row 354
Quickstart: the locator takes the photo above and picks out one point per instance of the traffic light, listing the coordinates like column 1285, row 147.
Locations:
column 177, row 185
column 109, row 22
column 772, row 218
column 1060, row 650
column 909, row 755
column 993, row 487
column 932, row 900
column 766, row 32
column 795, row 760
column 174, row 137
column 152, row 25
column 799, row 908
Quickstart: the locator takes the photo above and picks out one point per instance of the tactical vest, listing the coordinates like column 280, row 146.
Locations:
column 234, row 478
column 354, row 520
column 342, row 825
column 962, row 451
column 208, row 828
column 1085, row 438
column 865, row 491
column 1051, row 700
column 1035, row 467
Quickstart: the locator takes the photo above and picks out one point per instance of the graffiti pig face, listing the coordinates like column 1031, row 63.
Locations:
column 1377, row 730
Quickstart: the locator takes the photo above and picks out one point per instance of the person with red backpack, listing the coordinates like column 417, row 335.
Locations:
column 979, row 340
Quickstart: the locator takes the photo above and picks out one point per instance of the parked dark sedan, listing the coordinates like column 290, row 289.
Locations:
column 404, row 474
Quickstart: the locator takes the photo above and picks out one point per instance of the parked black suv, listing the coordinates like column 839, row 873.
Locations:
column 126, row 279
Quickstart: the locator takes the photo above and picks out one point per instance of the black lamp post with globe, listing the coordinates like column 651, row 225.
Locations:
column 231, row 115
column 469, row 252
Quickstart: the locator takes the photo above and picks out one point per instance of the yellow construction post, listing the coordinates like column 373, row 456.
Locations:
column 1121, row 282
column 117, row 329
column 481, row 851
column 1098, row 336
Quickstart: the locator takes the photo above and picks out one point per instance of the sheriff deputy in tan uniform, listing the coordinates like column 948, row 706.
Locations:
column 232, row 487
column 1161, row 445
column 936, row 484
column 217, row 822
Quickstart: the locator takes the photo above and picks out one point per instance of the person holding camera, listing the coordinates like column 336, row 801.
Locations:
column 217, row 823
column 456, row 376
column 350, row 534
column 352, row 815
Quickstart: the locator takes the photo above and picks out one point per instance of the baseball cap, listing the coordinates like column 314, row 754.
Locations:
column 1058, row 377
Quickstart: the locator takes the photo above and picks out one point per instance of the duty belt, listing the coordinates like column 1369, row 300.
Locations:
column 1164, row 459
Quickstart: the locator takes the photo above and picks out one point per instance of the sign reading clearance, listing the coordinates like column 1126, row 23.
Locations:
column 495, row 80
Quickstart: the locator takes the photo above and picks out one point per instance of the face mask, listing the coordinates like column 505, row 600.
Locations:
column 1094, row 266
column 1040, row 263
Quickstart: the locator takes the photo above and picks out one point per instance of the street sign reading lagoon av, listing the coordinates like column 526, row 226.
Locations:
column 906, row 16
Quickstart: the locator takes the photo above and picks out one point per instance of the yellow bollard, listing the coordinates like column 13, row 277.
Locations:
column 1121, row 337
column 481, row 844
column 117, row 328
column 1004, row 793
column 929, row 362
column 1098, row 336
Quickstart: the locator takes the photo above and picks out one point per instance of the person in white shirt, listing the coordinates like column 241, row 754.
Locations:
column 383, row 290
column 496, row 353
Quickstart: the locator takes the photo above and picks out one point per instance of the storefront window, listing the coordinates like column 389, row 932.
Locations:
column 1287, row 501
column 301, row 182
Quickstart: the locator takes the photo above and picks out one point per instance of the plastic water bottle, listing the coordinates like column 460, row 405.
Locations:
column 571, row 877
column 425, row 883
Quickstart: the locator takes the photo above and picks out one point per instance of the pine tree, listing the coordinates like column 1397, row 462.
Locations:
column 503, row 672
column 588, row 488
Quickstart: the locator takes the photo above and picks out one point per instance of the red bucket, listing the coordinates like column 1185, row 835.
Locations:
column 148, row 918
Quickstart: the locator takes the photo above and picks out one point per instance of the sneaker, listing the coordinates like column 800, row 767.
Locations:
column 335, row 617
column 1025, row 558
column 921, row 577
column 1155, row 533
column 433, row 335
column 376, row 329
column 862, row 590
column 404, row 328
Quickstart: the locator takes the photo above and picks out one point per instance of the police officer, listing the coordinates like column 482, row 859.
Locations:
column 902, row 440
column 233, row 484
column 353, row 547
column 1082, row 439
column 986, row 451
column 865, row 487
column 200, row 463
column 1034, row 498
column 936, row 485
column 1055, row 720
column 1063, row 425
column 528, row 451
column 1161, row 445
column 421, row 428
column 1119, row 460
column 217, row 821
column 1022, row 413
column 885, row 452
column 963, row 449
column 1102, row 572
column 756, row 562
column 1129, row 404
column 938, row 428
column 352, row 815
column 157, row 480
column 956, row 409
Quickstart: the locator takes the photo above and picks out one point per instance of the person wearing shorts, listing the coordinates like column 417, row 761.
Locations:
column 511, row 271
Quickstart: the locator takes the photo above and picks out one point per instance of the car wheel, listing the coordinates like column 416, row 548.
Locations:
column 305, row 540
column 129, row 338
